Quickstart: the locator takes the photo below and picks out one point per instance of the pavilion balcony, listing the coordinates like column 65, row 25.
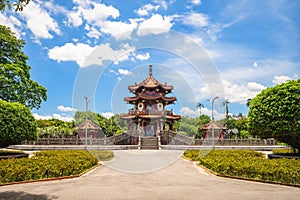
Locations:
column 150, row 112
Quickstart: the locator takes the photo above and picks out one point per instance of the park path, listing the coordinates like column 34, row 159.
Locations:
column 146, row 175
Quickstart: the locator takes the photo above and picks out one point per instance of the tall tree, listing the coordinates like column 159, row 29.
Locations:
column 248, row 102
column 225, row 103
column 275, row 112
column 16, row 124
column 15, row 82
column 200, row 105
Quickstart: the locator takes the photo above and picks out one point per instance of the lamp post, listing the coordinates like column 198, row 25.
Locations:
column 212, row 123
column 86, row 119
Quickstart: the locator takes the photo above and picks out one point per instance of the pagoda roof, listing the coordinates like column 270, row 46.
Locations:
column 216, row 125
column 150, row 82
column 88, row 125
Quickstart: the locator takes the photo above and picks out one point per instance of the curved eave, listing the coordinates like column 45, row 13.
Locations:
column 170, row 100
column 173, row 117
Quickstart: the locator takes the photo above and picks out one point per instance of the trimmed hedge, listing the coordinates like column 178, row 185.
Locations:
column 46, row 164
column 8, row 152
column 251, row 164
column 16, row 124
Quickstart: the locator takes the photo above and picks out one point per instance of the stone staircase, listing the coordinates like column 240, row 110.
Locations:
column 149, row 143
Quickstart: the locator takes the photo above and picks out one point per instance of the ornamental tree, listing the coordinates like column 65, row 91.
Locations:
column 16, row 124
column 275, row 112
column 15, row 82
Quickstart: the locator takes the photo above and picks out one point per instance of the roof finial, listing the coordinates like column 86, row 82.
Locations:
column 150, row 70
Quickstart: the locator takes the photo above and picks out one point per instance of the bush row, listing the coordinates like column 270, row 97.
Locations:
column 46, row 164
column 250, row 164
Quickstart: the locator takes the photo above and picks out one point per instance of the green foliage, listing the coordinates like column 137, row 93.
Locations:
column 9, row 152
column 109, row 126
column 284, row 151
column 251, row 164
column 189, row 126
column 275, row 112
column 80, row 116
column 46, row 164
column 192, row 155
column 56, row 128
column 15, row 82
column 19, row 5
column 102, row 155
column 16, row 123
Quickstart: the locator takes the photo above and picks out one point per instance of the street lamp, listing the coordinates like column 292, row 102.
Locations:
column 212, row 122
column 86, row 119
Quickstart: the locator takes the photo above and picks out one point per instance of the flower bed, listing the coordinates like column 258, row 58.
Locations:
column 46, row 164
column 251, row 165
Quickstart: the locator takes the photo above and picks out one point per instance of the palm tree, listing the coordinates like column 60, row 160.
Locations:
column 248, row 102
column 225, row 103
column 200, row 105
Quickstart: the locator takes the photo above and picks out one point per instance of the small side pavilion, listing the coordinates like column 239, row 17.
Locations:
column 219, row 130
column 93, row 130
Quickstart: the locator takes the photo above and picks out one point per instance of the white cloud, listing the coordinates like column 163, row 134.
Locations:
column 11, row 22
column 119, row 30
column 163, row 3
column 66, row 109
column 71, row 52
column 39, row 21
column 143, row 56
column 124, row 72
column 96, row 13
column 66, row 118
column 146, row 9
column 92, row 32
column 196, row 2
column 255, row 64
column 75, row 18
column 85, row 55
column 204, row 111
column 253, row 86
column 280, row 79
column 195, row 19
column 155, row 25
column 107, row 115
column 37, row 116
column 239, row 93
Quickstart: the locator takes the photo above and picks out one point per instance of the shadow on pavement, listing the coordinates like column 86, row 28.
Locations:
column 13, row 195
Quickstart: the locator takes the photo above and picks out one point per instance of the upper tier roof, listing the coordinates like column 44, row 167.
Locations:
column 150, row 82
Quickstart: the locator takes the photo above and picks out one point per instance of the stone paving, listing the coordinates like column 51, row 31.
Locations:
column 135, row 174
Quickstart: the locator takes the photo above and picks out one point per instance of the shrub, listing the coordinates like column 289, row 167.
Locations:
column 16, row 124
column 46, row 164
column 251, row 164
column 102, row 155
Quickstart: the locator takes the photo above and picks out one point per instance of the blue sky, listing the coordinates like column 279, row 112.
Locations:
column 230, row 49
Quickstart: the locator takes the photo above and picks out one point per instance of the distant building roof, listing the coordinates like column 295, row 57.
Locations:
column 88, row 125
column 216, row 125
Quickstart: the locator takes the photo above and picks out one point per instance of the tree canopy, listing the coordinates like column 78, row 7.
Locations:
column 16, row 123
column 275, row 112
column 19, row 5
column 15, row 82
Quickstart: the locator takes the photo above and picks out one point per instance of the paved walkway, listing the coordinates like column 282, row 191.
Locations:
column 148, row 175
